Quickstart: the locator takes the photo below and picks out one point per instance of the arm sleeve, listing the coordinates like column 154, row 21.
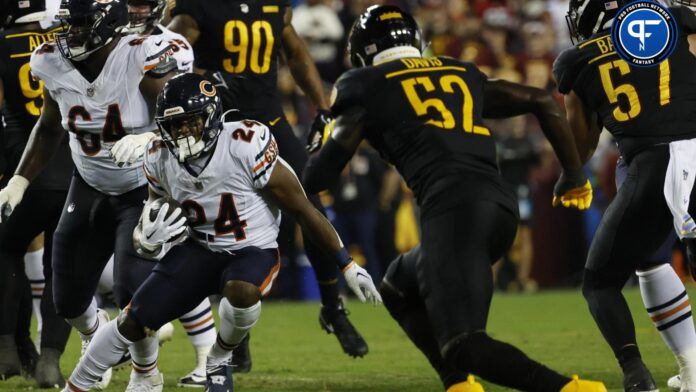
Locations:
column 188, row 7
column 259, row 155
column 564, row 70
column 686, row 18
column 349, row 91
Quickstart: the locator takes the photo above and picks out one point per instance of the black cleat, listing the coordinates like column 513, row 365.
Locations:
column 219, row 378
column 10, row 365
column 241, row 356
column 28, row 357
column 48, row 373
column 637, row 377
column 335, row 320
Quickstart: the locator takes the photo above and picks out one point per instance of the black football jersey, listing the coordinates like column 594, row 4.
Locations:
column 640, row 106
column 23, row 94
column 241, row 39
column 424, row 116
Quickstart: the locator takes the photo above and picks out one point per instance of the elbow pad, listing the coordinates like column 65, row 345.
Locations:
column 324, row 168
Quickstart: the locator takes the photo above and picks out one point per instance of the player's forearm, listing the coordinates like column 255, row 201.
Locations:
column 41, row 147
column 555, row 127
column 317, row 229
column 307, row 77
column 324, row 167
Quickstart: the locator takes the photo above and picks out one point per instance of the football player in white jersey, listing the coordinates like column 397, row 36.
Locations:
column 144, row 18
column 102, row 88
column 232, row 184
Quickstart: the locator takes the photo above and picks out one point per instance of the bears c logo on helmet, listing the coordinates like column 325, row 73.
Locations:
column 207, row 88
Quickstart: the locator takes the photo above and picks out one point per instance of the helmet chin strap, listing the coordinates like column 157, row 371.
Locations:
column 83, row 56
column 395, row 53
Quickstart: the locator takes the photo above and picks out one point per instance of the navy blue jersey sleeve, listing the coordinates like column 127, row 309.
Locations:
column 564, row 70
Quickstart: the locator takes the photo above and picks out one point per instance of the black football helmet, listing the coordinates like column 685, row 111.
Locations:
column 379, row 28
column 89, row 25
column 21, row 11
column 586, row 18
column 141, row 22
column 189, row 115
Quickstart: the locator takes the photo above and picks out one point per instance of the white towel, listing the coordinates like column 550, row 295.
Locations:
column 679, row 181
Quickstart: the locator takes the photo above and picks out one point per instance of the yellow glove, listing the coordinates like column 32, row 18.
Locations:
column 572, row 190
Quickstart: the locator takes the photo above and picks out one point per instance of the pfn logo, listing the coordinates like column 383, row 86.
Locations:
column 644, row 33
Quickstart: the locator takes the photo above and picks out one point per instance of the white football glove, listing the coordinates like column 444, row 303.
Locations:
column 130, row 148
column 157, row 232
column 361, row 283
column 11, row 195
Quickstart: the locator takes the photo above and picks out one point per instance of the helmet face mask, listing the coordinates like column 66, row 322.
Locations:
column 88, row 25
column 144, row 15
column 189, row 116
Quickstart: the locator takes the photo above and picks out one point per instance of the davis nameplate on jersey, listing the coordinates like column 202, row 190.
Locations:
column 644, row 33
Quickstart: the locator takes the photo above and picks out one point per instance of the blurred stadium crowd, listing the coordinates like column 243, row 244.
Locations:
column 516, row 40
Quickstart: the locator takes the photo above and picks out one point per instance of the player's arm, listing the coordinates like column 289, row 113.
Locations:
column 131, row 147
column 506, row 99
column 285, row 190
column 584, row 125
column 324, row 168
column 43, row 143
column 185, row 25
column 301, row 64
column 2, row 132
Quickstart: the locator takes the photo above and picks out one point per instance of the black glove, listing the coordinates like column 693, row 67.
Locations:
column 316, row 132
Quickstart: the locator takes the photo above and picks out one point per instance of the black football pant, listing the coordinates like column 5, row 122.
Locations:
column 38, row 212
column 92, row 227
column 633, row 228
column 441, row 292
column 294, row 153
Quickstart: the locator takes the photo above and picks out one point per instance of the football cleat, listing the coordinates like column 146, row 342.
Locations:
column 578, row 385
column 153, row 382
column 241, row 356
column 9, row 360
column 335, row 320
column 637, row 378
column 48, row 373
column 192, row 380
column 28, row 357
column 674, row 383
column 470, row 385
column 219, row 378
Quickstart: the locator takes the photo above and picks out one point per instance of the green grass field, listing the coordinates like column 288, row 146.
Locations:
column 291, row 353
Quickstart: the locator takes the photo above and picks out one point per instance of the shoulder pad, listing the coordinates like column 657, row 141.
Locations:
column 565, row 69
column 349, row 90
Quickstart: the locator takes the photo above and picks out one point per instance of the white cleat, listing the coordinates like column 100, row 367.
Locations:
column 674, row 383
column 104, row 319
column 145, row 383
column 192, row 380
column 165, row 333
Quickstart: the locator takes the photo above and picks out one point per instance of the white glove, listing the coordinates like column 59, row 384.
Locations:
column 11, row 195
column 361, row 283
column 161, row 230
column 130, row 148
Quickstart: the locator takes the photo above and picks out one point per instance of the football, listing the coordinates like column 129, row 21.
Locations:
column 173, row 205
